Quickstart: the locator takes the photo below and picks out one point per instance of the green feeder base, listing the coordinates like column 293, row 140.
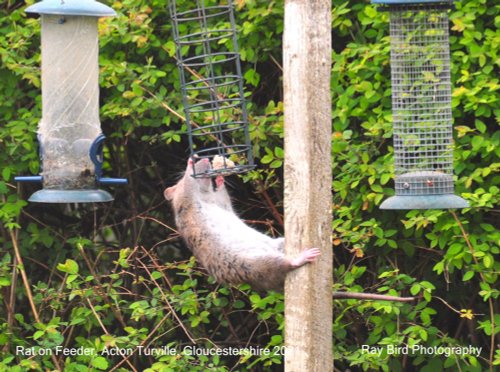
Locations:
column 70, row 196
column 447, row 201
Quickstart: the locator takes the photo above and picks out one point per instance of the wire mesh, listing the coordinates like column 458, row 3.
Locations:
column 212, row 84
column 421, row 100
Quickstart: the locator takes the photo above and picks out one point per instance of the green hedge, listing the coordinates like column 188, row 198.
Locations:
column 117, row 275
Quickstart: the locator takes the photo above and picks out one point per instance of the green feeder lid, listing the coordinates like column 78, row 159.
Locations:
column 408, row 202
column 71, row 7
column 70, row 196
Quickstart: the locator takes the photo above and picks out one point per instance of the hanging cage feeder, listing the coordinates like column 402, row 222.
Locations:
column 212, row 84
column 69, row 133
column 421, row 105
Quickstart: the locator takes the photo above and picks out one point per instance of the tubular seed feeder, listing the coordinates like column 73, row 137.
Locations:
column 69, row 133
column 421, row 105
column 212, row 83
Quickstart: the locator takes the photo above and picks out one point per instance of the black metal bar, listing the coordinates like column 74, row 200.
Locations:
column 212, row 83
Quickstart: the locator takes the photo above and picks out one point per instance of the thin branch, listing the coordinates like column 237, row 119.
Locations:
column 451, row 307
column 490, row 301
column 27, row 287
column 276, row 62
column 274, row 211
column 116, row 311
column 12, row 297
column 167, row 302
column 105, row 330
column 143, row 342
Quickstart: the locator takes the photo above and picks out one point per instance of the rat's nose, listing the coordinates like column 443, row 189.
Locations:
column 203, row 166
column 197, row 159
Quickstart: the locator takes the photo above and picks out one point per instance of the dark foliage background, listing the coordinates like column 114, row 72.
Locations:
column 117, row 275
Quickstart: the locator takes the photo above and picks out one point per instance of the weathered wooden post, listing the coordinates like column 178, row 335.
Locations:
column 308, row 291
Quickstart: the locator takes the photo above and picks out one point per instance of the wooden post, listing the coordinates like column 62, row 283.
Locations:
column 307, row 48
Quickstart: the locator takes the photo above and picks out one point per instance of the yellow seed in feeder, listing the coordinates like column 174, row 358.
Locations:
column 220, row 162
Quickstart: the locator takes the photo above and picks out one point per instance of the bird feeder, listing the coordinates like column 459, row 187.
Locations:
column 212, row 84
column 421, row 105
column 69, row 133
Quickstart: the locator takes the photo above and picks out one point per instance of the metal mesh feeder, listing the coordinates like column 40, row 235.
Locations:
column 421, row 106
column 212, row 84
column 69, row 132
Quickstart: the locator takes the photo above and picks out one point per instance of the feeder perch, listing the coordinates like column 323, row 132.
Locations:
column 421, row 105
column 212, row 84
column 69, row 132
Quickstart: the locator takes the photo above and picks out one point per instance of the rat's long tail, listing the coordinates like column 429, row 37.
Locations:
column 369, row 296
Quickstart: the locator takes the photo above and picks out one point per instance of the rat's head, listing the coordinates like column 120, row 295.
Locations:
column 189, row 186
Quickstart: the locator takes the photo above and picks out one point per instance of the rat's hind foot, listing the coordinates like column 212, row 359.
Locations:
column 308, row 255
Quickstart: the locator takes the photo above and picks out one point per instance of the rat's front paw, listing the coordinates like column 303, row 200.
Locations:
column 219, row 181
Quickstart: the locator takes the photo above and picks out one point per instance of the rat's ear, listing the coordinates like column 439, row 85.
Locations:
column 169, row 192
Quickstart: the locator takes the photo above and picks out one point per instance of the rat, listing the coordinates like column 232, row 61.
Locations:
column 230, row 250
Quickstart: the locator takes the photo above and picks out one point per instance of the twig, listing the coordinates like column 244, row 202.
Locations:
column 105, row 330
column 108, row 301
column 143, row 342
column 451, row 307
column 27, row 287
column 157, row 221
column 490, row 301
column 47, row 226
column 230, row 326
column 276, row 62
column 270, row 204
column 157, row 267
column 175, row 113
column 168, row 303
column 41, row 264
column 12, row 297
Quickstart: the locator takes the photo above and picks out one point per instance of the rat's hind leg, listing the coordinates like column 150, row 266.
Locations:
column 308, row 255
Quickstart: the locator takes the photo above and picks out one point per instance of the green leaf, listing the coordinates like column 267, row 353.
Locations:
column 278, row 151
column 100, row 363
column 477, row 142
column 385, row 178
column 267, row 159
column 480, row 126
column 71, row 278
column 276, row 163
column 454, row 249
column 70, row 267
column 156, row 275
column 488, row 261
column 6, row 173
column 468, row 276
